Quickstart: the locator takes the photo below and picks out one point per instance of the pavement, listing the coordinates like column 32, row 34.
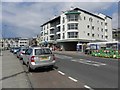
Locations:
column 13, row 74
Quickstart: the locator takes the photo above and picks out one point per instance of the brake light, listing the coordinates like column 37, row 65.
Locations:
column 32, row 59
column 53, row 57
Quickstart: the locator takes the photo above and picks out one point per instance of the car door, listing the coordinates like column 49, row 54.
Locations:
column 25, row 56
column 28, row 55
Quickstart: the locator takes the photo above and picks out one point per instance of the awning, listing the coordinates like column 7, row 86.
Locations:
column 72, row 13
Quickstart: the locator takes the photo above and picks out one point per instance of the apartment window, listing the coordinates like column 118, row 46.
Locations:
column 63, row 27
column 98, row 35
column 106, row 37
column 102, row 30
column 106, row 30
column 101, row 23
column 98, row 28
column 88, row 34
column 63, row 20
column 106, row 24
column 73, row 17
column 88, row 26
column 93, row 27
column 72, row 26
column 102, row 36
column 93, row 35
column 63, row 35
column 97, row 21
column 58, row 36
column 90, row 19
column 47, row 26
column 72, row 34
column 84, row 18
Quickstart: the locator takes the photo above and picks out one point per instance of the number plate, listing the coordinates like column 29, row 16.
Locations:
column 44, row 58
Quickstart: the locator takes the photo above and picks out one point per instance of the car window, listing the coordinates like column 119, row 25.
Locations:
column 28, row 51
column 42, row 51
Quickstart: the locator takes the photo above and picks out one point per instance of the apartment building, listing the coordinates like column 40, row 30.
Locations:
column 23, row 42
column 76, row 26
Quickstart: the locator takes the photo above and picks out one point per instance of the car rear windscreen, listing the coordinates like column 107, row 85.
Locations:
column 42, row 51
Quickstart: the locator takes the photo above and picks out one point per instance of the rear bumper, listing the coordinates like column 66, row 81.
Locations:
column 34, row 66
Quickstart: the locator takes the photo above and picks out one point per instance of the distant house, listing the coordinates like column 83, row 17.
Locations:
column 116, row 34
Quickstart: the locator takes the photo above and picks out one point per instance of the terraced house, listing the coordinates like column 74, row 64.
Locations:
column 76, row 26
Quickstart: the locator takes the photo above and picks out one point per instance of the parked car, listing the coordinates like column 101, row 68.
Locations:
column 36, row 57
column 15, row 50
column 11, row 49
column 21, row 52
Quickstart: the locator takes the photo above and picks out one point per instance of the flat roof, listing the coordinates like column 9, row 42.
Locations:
column 51, row 20
column 80, row 10
column 91, row 13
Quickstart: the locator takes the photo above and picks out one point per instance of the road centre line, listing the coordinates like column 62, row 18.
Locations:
column 61, row 73
column 73, row 79
column 86, row 86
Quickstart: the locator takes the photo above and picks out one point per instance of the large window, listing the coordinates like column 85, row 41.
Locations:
column 72, row 34
column 73, row 17
column 72, row 26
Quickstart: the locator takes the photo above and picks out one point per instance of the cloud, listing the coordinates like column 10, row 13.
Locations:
column 26, row 18
column 59, row 0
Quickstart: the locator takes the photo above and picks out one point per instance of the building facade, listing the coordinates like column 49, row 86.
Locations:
column 15, row 42
column 116, row 34
column 76, row 26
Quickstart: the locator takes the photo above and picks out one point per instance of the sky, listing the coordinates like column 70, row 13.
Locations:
column 23, row 19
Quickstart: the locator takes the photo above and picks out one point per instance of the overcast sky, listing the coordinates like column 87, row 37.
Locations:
column 23, row 19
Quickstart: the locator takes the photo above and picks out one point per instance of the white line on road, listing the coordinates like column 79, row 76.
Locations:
column 61, row 73
column 74, row 60
column 81, row 59
column 73, row 79
column 86, row 86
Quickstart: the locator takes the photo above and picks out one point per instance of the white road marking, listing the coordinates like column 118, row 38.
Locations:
column 61, row 73
column 89, row 63
column 96, row 65
column 74, row 60
column 73, row 79
column 63, row 56
column 86, row 86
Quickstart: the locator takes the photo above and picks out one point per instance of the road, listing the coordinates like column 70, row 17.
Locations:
column 71, row 71
column 93, row 71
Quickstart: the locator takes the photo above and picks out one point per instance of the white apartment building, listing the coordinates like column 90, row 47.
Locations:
column 76, row 26
column 23, row 42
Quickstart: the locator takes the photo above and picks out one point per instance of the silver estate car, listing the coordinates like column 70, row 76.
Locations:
column 36, row 57
column 21, row 52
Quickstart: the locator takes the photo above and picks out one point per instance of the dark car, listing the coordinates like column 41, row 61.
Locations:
column 15, row 50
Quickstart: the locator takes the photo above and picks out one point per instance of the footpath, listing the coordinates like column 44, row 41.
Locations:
column 13, row 74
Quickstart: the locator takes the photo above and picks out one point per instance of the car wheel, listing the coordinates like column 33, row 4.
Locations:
column 51, row 67
column 23, row 62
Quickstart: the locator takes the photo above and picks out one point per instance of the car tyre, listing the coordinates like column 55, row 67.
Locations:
column 23, row 62
column 51, row 67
